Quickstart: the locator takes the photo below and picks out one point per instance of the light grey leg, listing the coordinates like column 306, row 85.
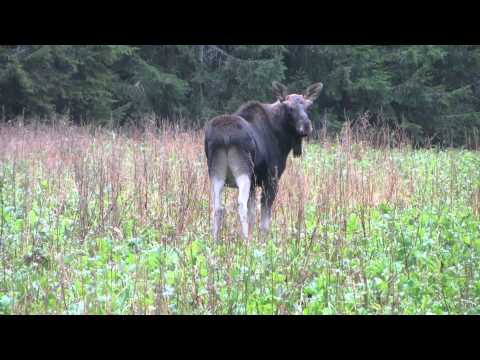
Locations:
column 243, row 183
column 252, row 209
column 217, row 213
column 266, row 215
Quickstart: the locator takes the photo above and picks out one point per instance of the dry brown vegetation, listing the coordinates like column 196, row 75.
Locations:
column 73, row 194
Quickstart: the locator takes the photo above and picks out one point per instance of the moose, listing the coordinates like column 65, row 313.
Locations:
column 249, row 149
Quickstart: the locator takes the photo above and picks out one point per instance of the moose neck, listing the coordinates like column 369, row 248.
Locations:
column 284, row 133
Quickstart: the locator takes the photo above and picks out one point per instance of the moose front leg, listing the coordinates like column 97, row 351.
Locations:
column 269, row 191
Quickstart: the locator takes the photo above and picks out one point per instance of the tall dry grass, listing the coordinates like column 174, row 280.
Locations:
column 123, row 182
column 159, row 176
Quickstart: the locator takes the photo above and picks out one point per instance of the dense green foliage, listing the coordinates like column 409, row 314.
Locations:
column 431, row 90
column 104, row 225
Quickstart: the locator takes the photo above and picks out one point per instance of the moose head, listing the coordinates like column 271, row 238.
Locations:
column 295, row 107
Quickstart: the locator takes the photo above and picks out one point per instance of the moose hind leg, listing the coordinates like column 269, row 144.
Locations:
column 239, row 163
column 217, row 214
column 218, row 177
column 243, row 183
column 252, row 208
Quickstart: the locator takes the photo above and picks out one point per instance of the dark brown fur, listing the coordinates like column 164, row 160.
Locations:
column 263, row 135
column 224, row 121
column 252, row 111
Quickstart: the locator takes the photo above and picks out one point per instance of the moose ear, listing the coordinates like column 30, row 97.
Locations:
column 313, row 91
column 297, row 147
column 280, row 90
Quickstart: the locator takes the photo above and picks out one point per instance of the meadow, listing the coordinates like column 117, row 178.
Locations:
column 95, row 221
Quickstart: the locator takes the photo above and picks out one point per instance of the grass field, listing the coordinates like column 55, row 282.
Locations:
column 96, row 222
